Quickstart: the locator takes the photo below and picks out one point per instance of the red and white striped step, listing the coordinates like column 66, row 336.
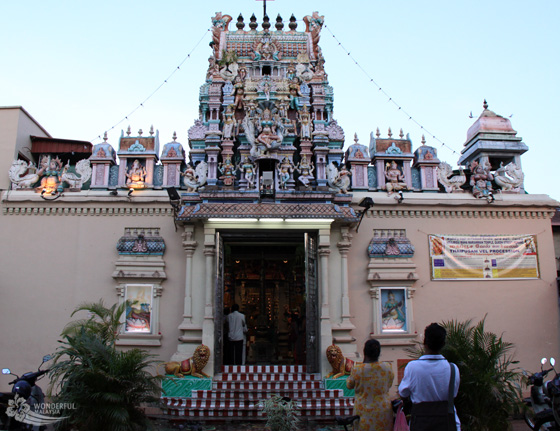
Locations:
column 238, row 390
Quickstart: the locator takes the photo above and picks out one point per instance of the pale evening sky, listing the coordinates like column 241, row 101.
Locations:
column 80, row 67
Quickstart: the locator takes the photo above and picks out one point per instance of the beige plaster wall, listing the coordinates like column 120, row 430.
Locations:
column 52, row 263
column 57, row 254
column 525, row 311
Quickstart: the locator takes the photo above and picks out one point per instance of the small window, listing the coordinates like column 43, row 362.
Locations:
column 266, row 70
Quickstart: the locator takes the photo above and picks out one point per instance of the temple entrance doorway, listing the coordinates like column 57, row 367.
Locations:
column 272, row 278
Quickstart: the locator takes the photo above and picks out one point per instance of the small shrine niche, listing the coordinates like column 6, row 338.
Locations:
column 102, row 159
column 492, row 153
column 139, row 273
column 425, row 159
column 138, row 156
column 357, row 156
column 173, row 161
column 392, row 159
column 54, row 166
column 391, row 276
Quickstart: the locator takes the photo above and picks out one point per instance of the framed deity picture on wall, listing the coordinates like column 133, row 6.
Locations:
column 139, row 308
column 393, row 310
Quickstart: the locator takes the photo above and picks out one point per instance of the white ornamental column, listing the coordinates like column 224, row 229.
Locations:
column 342, row 332
column 191, row 331
column 208, row 323
column 326, row 327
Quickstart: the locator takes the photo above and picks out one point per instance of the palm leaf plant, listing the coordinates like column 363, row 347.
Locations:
column 105, row 386
column 490, row 388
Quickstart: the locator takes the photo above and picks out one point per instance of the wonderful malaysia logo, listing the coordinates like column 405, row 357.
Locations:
column 37, row 414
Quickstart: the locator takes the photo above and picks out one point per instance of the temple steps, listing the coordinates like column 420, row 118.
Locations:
column 237, row 392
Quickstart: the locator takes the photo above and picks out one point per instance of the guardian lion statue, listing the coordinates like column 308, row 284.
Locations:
column 341, row 366
column 191, row 366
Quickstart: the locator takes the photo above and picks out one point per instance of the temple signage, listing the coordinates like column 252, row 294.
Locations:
column 457, row 257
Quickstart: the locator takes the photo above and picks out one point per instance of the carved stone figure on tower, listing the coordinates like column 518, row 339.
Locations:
column 268, row 139
column 305, row 123
column 266, row 49
column 509, row 177
column 82, row 175
column 219, row 25
column 229, row 122
column 305, row 170
column 50, row 171
column 228, row 171
column 195, row 178
column 450, row 183
column 395, row 178
column 339, row 181
column 22, row 175
column 481, row 179
column 314, row 24
column 285, row 170
column 248, row 170
column 136, row 175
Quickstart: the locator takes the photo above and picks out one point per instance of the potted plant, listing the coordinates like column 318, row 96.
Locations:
column 280, row 413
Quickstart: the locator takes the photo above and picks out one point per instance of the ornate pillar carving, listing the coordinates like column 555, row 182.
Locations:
column 324, row 252
column 209, row 280
column 191, row 332
column 342, row 332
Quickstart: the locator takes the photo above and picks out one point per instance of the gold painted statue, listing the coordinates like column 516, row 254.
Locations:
column 191, row 366
column 341, row 366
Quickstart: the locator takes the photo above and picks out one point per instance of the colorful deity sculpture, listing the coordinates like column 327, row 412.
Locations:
column 51, row 175
column 481, row 179
column 248, row 171
column 136, row 176
column 305, row 170
column 285, row 170
column 228, row 171
column 395, row 178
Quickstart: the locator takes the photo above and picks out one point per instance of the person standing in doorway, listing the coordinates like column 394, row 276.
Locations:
column 237, row 331
column 432, row 384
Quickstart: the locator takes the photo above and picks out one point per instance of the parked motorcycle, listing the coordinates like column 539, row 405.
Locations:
column 543, row 407
column 25, row 388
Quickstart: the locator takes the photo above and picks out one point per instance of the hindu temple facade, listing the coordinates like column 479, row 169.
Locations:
column 319, row 238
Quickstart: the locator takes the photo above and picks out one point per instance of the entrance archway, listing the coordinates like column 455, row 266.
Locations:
column 272, row 277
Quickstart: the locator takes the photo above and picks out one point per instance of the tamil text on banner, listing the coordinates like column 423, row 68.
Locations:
column 459, row 257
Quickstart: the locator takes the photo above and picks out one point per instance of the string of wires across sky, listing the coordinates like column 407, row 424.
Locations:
column 371, row 80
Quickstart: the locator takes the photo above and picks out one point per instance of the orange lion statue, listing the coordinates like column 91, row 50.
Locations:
column 192, row 366
column 341, row 366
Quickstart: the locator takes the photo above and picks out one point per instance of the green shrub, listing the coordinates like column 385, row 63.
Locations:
column 490, row 389
column 106, row 386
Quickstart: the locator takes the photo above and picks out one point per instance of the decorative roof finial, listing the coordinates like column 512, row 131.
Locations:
column 105, row 136
column 355, row 138
column 128, row 131
column 423, row 140
column 293, row 23
column 485, row 104
column 390, row 133
column 140, row 132
column 174, row 136
column 377, row 133
column 401, row 134
column 266, row 23
column 152, row 130
column 240, row 24
column 253, row 22
column 279, row 24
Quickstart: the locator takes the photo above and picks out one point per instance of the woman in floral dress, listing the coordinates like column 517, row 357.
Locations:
column 371, row 381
